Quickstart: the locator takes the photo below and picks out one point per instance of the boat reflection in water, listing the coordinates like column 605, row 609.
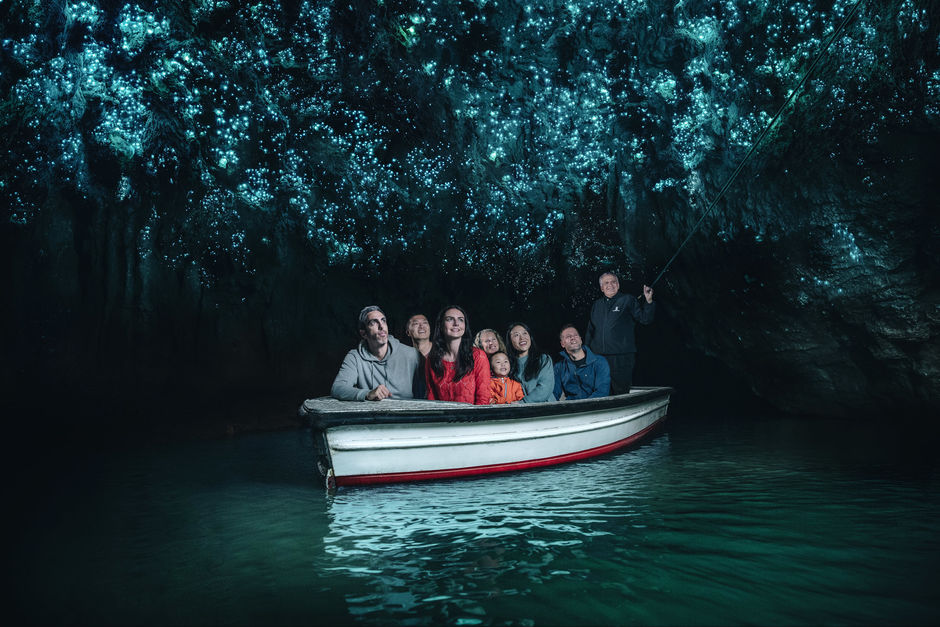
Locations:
column 707, row 522
column 463, row 551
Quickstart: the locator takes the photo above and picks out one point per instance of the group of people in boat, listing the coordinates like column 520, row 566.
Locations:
column 449, row 363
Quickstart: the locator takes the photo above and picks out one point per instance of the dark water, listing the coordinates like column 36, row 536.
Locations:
column 711, row 522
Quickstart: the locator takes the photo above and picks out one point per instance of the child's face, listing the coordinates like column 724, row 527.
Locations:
column 500, row 364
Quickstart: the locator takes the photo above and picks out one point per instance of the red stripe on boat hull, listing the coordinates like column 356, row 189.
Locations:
column 447, row 473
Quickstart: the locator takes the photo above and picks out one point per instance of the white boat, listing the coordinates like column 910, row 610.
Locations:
column 391, row 441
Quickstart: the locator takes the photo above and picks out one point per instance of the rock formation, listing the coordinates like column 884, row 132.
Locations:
column 201, row 195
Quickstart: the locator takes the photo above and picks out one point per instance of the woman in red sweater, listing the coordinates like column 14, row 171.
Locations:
column 455, row 370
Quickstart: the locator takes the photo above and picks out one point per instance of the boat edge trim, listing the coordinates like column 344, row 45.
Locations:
column 448, row 473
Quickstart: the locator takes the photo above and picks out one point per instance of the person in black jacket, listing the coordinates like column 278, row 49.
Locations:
column 610, row 331
column 418, row 330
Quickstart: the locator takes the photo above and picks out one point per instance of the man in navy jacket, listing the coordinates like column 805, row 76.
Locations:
column 580, row 373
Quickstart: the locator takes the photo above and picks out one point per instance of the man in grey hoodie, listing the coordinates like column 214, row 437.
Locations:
column 380, row 367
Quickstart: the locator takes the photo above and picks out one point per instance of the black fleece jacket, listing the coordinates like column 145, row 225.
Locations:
column 611, row 328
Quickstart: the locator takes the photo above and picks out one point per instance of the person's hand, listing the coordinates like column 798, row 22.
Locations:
column 648, row 293
column 378, row 394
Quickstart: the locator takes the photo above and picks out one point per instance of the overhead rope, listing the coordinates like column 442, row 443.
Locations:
column 760, row 137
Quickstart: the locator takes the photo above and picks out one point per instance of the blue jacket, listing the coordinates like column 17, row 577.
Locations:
column 590, row 381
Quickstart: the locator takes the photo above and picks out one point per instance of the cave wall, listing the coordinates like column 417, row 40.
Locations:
column 201, row 195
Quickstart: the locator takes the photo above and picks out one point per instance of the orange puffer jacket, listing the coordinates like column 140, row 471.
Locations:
column 505, row 390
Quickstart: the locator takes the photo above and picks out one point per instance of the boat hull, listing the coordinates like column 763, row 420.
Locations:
column 420, row 440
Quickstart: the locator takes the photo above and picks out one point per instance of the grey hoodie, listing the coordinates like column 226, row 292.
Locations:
column 362, row 372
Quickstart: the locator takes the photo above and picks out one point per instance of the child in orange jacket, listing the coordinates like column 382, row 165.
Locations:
column 504, row 388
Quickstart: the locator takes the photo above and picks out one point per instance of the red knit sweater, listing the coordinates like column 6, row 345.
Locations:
column 473, row 388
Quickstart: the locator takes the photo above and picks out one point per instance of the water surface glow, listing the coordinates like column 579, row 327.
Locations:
column 769, row 523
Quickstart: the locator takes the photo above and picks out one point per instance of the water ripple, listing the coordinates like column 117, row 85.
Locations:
column 701, row 525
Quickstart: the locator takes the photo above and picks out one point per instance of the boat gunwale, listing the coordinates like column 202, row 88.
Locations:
column 475, row 471
column 458, row 438
column 420, row 412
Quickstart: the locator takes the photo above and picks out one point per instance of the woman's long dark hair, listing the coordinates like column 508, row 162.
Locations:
column 440, row 345
column 534, row 363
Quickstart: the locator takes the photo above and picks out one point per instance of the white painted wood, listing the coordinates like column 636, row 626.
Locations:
column 381, row 448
